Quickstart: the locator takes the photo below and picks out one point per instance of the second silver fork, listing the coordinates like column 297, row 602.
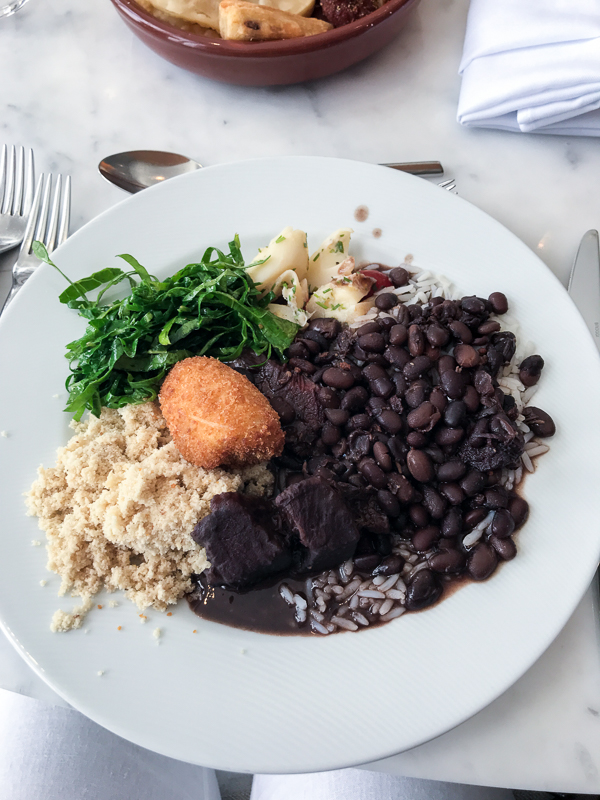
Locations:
column 48, row 223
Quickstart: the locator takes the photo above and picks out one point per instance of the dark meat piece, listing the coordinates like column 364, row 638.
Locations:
column 366, row 510
column 243, row 539
column 278, row 381
column 318, row 515
column 493, row 443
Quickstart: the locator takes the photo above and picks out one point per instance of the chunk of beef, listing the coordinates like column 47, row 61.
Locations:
column 325, row 526
column 366, row 510
column 341, row 12
column 493, row 442
column 244, row 540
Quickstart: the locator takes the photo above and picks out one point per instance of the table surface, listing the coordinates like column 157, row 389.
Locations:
column 78, row 86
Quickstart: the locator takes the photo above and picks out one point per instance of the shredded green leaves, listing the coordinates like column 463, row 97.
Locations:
column 208, row 308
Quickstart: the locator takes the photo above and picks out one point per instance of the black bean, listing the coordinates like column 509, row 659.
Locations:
column 438, row 398
column 424, row 417
column 396, row 356
column 422, row 591
column 355, row 400
column 455, row 414
column 400, row 486
column 437, row 335
column 434, row 502
column 448, row 437
column 530, row 370
column 419, row 515
column 471, row 399
column 358, row 481
column 391, row 565
column 451, row 471
column 519, row 510
column 359, row 422
column 376, row 405
column 398, row 334
column 359, row 354
column 385, row 301
column 420, row 466
column 452, row 523
column 486, row 328
column 338, row 378
column 473, row 305
column 505, row 548
column 337, row 416
column 386, row 323
column 372, row 342
column 382, row 387
column 474, row 517
column 466, row 356
column 382, row 456
column 328, row 327
column 397, row 448
column 374, row 474
column 416, row 341
column 367, row 563
column 539, row 421
column 482, row 561
column 417, row 439
column 416, row 393
column 498, row 302
column 461, row 331
column 302, row 365
column 502, row 524
column 398, row 276
column 453, row 383
column 424, row 538
column 448, row 562
column 496, row 498
column 388, row 503
column 416, row 367
column 369, row 327
column 400, row 384
column 328, row 397
column 473, row 483
column 298, row 350
column 415, row 311
column 390, row 420
column 452, row 492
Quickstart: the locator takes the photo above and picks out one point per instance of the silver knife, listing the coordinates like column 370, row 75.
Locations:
column 584, row 283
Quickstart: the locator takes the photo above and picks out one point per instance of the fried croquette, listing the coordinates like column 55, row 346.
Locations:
column 217, row 417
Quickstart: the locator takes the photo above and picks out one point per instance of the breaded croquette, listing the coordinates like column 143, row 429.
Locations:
column 217, row 417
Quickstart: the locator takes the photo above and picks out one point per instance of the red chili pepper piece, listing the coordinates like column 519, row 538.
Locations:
column 380, row 278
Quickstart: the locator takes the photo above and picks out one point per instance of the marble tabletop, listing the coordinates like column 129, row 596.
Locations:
column 78, row 86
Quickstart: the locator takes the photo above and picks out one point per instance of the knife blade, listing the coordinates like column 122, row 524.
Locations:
column 584, row 283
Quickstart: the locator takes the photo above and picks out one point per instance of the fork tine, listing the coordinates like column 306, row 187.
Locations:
column 19, row 181
column 3, row 158
column 50, row 238
column 65, row 212
column 9, row 184
column 33, row 216
column 42, row 216
column 29, row 183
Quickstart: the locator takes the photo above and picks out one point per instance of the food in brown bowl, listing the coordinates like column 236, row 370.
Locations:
column 252, row 44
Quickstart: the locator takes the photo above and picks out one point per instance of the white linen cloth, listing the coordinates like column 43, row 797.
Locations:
column 56, row 753
column 532, row 66
column 358, row 784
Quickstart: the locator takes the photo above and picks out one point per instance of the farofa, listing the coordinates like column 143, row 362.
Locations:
column 119, row 507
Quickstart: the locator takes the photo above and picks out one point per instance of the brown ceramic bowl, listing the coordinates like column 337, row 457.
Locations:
column 269, row 63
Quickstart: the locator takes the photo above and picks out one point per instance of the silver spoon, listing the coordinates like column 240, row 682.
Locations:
column 138, row 169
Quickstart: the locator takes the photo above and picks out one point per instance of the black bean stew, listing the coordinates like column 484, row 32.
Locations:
column 398, row 473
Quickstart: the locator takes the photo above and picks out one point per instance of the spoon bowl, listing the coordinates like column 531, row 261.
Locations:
column 139, row 169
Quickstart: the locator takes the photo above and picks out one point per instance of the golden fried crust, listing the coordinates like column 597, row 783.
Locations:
column 217, row 417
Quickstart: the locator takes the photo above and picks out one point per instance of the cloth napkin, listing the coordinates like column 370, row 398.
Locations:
column 56, row 753
column 532, row 66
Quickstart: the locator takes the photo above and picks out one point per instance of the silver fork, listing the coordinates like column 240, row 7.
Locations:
column 449, row 185
column 16, row 190
column 48, row 223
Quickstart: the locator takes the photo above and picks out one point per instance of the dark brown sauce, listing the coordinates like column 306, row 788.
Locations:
column 263, row 610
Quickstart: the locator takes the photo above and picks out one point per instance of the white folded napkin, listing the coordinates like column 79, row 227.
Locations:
column 358, row 784
column 58, row 754
column 532, row 65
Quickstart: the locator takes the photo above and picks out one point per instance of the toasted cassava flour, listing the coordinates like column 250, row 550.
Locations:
column 119, row 507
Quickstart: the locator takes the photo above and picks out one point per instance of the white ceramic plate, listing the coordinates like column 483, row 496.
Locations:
column 242, row 701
